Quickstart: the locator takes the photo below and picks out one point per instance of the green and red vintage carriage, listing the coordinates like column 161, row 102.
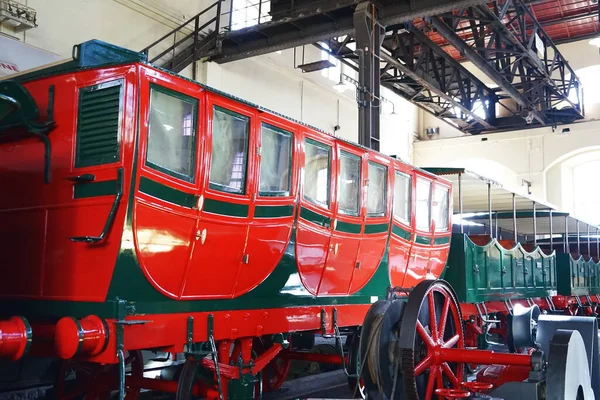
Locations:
column 144, row 211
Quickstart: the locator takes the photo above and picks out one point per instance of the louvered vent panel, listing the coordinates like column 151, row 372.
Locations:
column 98, row 124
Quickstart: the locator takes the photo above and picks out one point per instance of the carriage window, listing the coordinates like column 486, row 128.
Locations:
column 440, row 208
column 316, row 172
column 376, row 192
column 349, row 184
column 172, row 133
column 423, row 216
column 402, row 198
column 229, row 151
column 275, row 161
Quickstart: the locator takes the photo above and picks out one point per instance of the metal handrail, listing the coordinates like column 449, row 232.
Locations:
column 179, row 28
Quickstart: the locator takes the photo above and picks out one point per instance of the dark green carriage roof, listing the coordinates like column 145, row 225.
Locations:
column 96, row 54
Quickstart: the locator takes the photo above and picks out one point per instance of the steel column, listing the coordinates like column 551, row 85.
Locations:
column 369, row 36
column 578, row 240
column 490, row 207
column 534, row 226
column 551, row 233
column 460, row 202
column 514, row 205
column 597, row 244
column 567, row 247
column 588, row 241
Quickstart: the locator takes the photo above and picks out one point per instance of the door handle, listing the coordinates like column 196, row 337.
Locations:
column 334, row 247
column 84, row 178
column 201, row 235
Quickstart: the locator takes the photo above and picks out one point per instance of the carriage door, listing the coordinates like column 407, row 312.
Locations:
column 418, row 266
column 401, row 236
column 164, row 215
column 315, row 220
column 275, row 202
column 225, row 201
column 377, row 218
column 440, row 210
column 347, row 223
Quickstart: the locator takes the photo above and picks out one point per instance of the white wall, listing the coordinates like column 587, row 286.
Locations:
column 529, row 154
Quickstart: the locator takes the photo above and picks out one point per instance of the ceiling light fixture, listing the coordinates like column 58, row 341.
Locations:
column 341, row 86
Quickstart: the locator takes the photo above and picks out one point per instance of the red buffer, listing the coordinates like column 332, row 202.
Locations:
column 15, row 338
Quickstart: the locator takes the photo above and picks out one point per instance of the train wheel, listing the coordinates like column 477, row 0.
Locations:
column 357, row 385
column 431, row 321
column 275, row 373
column 95, row 381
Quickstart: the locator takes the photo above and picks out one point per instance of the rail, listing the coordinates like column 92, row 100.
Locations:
column 202, row 27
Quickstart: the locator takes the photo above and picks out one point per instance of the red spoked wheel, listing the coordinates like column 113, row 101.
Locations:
column 95, row 381
column 276, row 372
column 431, row 322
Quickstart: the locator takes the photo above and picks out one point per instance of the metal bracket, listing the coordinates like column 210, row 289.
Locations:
column 215, row 355
column 323, row 322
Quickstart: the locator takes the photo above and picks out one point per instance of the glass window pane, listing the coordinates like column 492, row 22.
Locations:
column 376, row 191
column 172, row 133
column 275, row 161
column 423, row 217
column 316, row 172
column 440, row 208
column 229, row 151
column 402, row 197
column 348, row 193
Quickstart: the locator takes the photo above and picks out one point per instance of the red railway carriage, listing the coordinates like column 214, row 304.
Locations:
column 142, row 210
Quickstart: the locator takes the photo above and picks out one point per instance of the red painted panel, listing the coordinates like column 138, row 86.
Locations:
column 400, row 246
column 399, row 256
column 373, row 245
column 163, row 230
column 267, row 241
column 70, row 267
column 341, row 261
column 312, row 243
column 215, row 265
column 418, row 267
column 54, row 266
column 22, row 257
column 162, row 237
column 312, row 239
column 268, row 237
column 343, row 247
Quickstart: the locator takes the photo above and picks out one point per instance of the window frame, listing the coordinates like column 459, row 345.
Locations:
column 195, row 106
column 317, row 143
column 222, row 188
column 447, row 190
column 290, row 134
column 345, row 152
column 429, row 198
column 385, row 191
column 407, row 221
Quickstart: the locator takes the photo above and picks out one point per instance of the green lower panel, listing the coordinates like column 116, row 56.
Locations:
column 491, row 272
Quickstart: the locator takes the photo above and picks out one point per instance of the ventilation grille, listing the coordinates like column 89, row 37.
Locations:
column 98, row 124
